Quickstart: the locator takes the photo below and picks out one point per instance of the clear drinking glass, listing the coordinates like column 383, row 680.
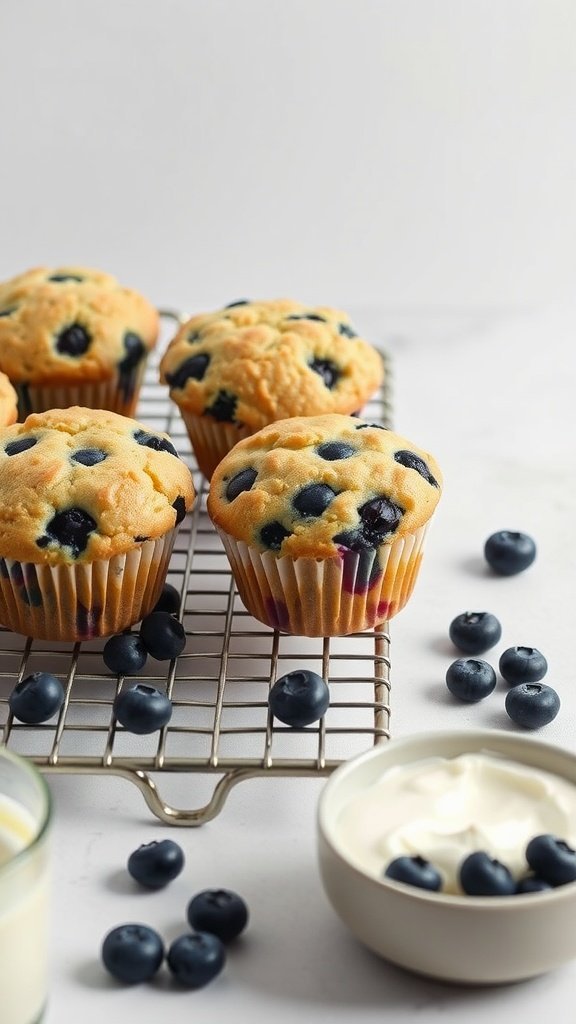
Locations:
column 25, row 817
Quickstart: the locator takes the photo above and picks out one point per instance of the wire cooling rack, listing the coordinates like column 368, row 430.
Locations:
column 221, row 725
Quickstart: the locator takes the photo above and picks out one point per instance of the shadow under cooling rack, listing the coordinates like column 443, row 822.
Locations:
column 221, row 724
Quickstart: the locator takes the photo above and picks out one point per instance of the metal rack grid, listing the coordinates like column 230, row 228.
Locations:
column 221, row 725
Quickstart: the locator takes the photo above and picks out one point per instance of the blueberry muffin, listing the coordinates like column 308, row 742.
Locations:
column 90, row 503
column 252, row 363
column 323, row 519
column 8, row 402
column 73, row 336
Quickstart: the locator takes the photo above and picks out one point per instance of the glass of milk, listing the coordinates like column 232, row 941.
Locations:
column 25, row 816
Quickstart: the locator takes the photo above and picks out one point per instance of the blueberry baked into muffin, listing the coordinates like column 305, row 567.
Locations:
column 74, row 336
column 323, row 519
column 90, row 503
column 8, row 402
column 251, row 363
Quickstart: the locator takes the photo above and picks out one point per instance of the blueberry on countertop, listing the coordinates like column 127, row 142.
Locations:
column 532, row 705
column 125, row 654
column 552, row 859
column 522, row 665
column 36, row 698
column 163, row 635
column 508, row 552
column 470, row 679
column 218, row 911
column 475, row 632
column 414, row 871
column 299, row 698
column 195, row 959
column 483, row 875
column 132, row 953
column 142, row 709
column 155, row 864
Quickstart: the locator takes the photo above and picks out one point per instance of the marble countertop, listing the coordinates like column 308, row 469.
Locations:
column 490, row 393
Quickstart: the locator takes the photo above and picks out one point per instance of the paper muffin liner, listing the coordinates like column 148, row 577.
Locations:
column 118, row 394
column 212, row 439
column 87, row 599
column 348, row 593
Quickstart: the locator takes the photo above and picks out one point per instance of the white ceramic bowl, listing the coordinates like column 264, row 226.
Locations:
column 463, row 939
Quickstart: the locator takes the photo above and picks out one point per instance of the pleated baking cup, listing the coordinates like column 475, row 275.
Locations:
column 212, row 439
column 118, row 394
column 348, row 593
column 87, row 599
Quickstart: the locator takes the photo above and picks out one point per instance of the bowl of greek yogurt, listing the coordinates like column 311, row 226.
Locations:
column 440, row 799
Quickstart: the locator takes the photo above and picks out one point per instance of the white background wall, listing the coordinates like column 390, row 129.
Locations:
column 415, row 153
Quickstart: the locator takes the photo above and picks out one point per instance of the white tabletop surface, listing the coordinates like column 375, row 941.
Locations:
column 491, row 394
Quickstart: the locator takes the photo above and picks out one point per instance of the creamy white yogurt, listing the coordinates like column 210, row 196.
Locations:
column 443, row 809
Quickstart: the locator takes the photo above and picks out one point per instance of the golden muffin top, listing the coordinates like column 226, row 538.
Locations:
column 311, row 485
column 70, row 323
column 253, row 363
column 78, row 485
column 8, row 402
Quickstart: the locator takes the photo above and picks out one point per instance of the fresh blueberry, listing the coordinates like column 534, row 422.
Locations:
column 412, row 461
column 347, row 331
column 482, row 875
column 313, row 499
column 125, row 654
column 73, row 340
column 71, row 529
column 219, row 912
column 307, row 316
column 299, row 698
column 158, row 444
column 531, row 883
column 155, row 864
column 223, row 407
column 36, row 698
column 163, row 635
column 21, row 444
column 508, row 552
column 132, row 953
column 470, row 680
column 60, row 278
column 193, row 368
column 142, row 709
column 475, row 632
column 414, row 871
column 169, row 600
column 196, row 959
column 552, row 859
column 327, row 370
column 332, row 451
column 135, row 350
column 242, row 481
column 273, row 534
column 522, row 665
column 88, row 456
column 179, row 506
column 379, row 517
column 532, row 705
